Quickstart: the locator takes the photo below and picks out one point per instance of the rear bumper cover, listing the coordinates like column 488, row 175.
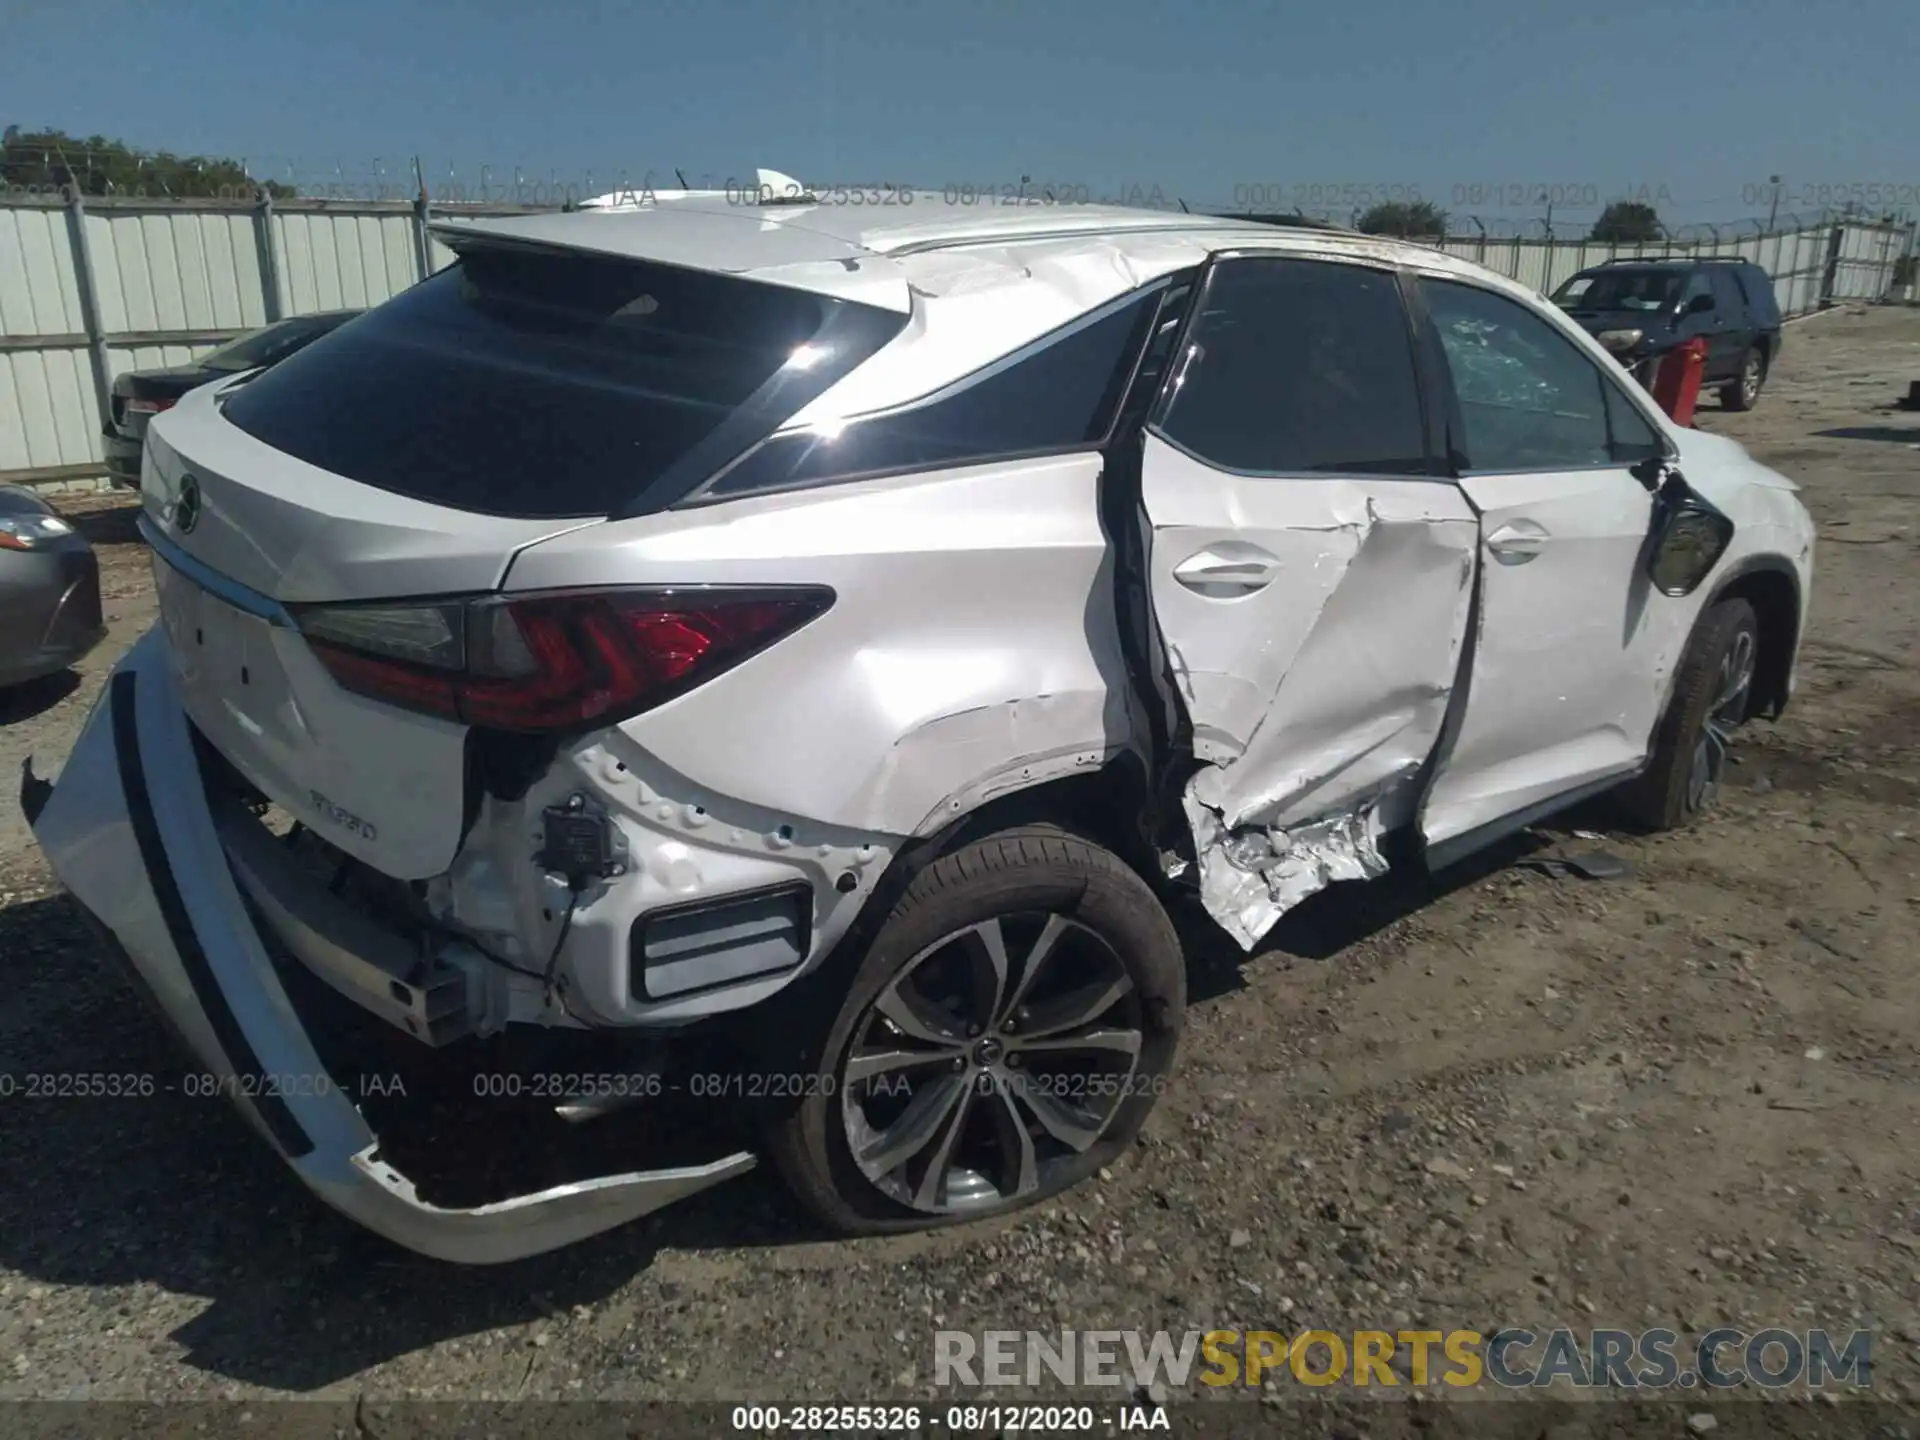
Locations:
column 128, row 830
column 123, row 458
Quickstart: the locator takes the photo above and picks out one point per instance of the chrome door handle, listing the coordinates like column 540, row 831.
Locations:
column 1517, row 542
column 1229, row 568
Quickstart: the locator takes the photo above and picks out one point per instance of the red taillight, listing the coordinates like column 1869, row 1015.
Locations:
column 150, row 407
column 556, row 661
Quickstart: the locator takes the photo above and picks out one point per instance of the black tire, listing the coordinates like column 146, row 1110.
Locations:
column 1013, row 883
column 1711, row 696
column 1743, row 390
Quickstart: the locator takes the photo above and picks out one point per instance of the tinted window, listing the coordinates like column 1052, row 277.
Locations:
column 1059, row 394
column 1528, row 399
column 273, row 344
column 1621, row 288
column 1726, row 291
column 1758, row 288
column 534, row 383
column 1300, row 367
column 1630, row 436
column 1700, row 282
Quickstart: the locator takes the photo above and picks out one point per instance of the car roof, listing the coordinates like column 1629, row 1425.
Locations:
column 806, row 244
column 976, row 281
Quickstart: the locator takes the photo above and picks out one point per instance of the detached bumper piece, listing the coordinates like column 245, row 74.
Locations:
column 128, row 829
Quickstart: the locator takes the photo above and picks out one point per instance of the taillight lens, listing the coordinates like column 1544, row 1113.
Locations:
column 150, row 407
column 558, row 660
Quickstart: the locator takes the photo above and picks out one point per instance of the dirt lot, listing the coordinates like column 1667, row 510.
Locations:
column 1682, row 1098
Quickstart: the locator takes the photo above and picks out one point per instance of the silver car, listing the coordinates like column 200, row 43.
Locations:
column 847, row 629
column 50, row 614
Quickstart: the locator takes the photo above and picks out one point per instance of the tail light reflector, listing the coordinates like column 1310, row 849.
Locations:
column 150, row 407
column 555, row 660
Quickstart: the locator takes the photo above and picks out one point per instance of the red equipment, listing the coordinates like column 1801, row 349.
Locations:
column 1676, row 386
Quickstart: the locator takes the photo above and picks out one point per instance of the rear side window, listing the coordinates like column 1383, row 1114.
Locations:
column 1058, row 394
column 1299, row 367
column 544, row 384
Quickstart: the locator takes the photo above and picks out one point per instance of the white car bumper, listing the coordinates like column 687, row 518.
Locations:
column 128, row 830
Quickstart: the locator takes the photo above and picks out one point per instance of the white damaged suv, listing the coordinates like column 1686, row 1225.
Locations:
column 853, row 627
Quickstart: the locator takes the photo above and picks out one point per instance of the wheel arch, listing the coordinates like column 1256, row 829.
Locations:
column 1769, row 584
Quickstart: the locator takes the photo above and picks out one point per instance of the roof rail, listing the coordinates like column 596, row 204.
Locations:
column 1674, row 260
column 1302, row 222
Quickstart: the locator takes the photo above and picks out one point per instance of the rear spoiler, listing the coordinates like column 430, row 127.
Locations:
column 707, row 235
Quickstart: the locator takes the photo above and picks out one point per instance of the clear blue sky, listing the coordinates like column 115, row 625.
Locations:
column 1693, row 104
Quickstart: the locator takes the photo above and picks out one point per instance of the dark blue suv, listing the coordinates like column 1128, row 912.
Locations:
column 1641, row 309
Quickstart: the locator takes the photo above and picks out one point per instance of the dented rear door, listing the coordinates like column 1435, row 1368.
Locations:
column 1311, row 566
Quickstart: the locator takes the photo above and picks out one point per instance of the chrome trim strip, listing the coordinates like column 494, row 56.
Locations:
column 231, row 592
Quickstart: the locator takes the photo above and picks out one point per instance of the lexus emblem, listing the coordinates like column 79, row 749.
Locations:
column 186, row 505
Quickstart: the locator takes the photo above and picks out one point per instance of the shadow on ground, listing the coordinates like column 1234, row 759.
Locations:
column 157, row 1184
column 109, row 524
column 1890, row 434
column 36, row 697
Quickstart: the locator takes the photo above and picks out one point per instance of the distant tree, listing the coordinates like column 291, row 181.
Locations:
column 1628, row 222
column 52, row 159
column 1408, row 219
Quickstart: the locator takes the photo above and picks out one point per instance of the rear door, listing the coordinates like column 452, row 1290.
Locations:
column 1708, row 325
column 1310, row 568
column 1570, row 639
column 1737, row 334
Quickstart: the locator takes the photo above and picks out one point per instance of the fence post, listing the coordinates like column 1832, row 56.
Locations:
column 1830, row 272
column 269, row 256
column 422, row 250
column 89, row 303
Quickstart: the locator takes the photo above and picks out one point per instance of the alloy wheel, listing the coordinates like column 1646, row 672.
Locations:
column 1750, row 379
column 993, row 1060
column 1727, row 712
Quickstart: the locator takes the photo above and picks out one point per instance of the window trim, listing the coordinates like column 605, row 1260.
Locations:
column 1669, row 450
column 703, row 494
column 1438, row 471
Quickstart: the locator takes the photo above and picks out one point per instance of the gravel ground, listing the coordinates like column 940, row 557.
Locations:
column 1683, row 1098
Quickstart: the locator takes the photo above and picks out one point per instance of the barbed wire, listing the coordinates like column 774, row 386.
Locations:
column 405, row 178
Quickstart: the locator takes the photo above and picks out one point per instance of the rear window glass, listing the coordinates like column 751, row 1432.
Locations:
column 1622, row 289
column 549, row 384
column 1060, row 394
column 275, row 343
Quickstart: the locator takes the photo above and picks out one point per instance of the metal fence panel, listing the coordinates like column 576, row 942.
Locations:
column 192, row 270
column 343, row 260
column 170, row 279
column 47, row 410
column 38, row 291
column 1865, row 261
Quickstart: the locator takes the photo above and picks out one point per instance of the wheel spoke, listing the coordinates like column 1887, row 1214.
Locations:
column 1016, row 1142
column 1736, row 679
column 989, row 944
column 917, row 1127
column 1073, row 1009
column 908, row 1017
column 866, row 1065
column 1037, row 956
column 1107, row 1037
column 1069, row 1125
column 927, row 1195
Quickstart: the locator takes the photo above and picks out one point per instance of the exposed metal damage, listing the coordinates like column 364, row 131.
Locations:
column 1249, row 878
column 1373, row 608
